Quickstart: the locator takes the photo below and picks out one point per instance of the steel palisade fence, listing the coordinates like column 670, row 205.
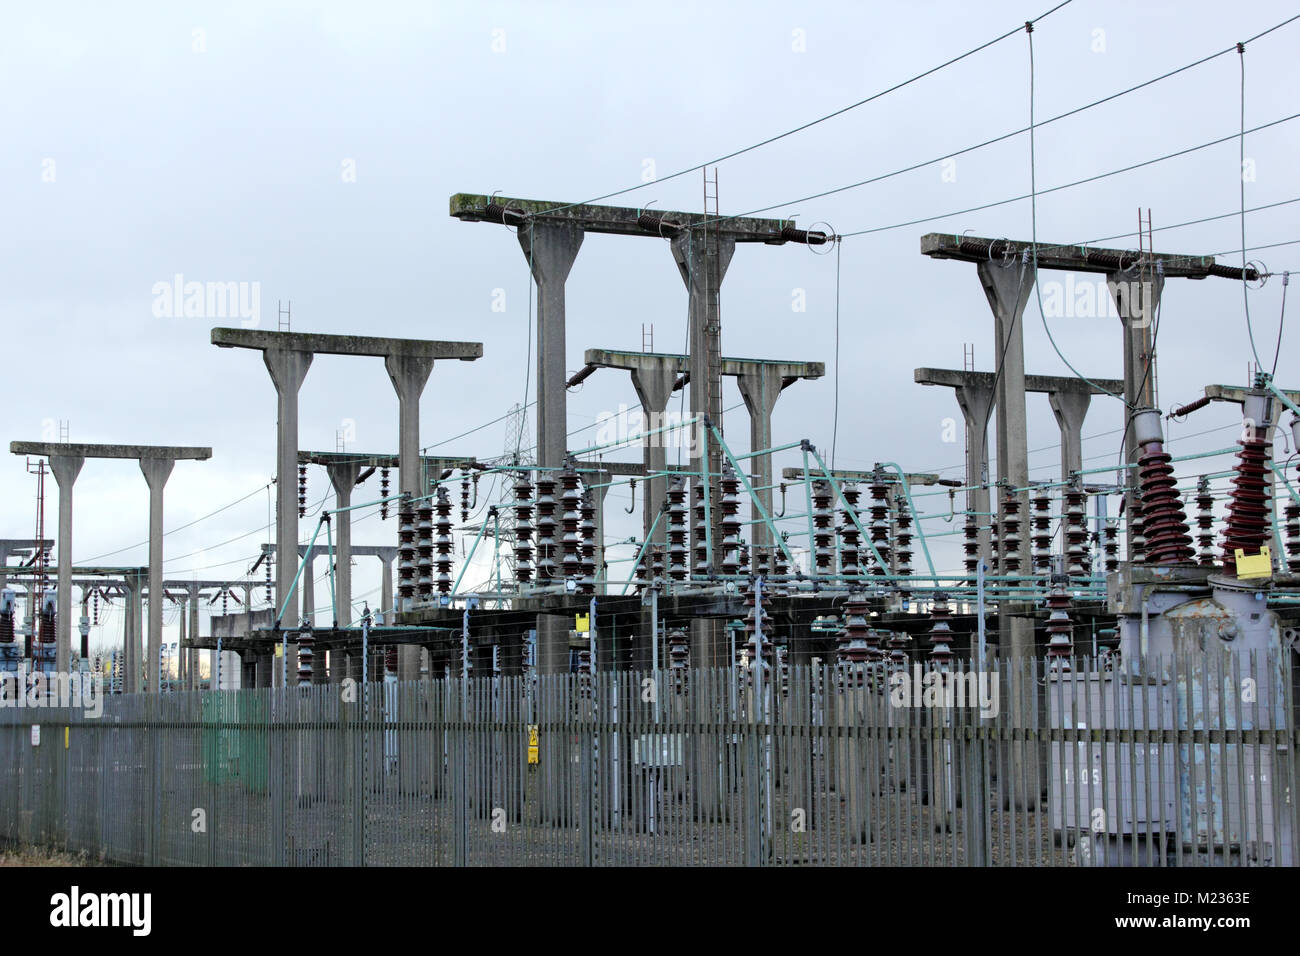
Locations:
column 1191, row 762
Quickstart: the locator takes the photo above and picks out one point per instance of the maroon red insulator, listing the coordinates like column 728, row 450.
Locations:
column 971, row 543
column 677, row 544
column 1060, row 645
column 306, row 646
column 1205, row 525
column 587, row 509
column 406, row 550
column 1010, row 544
column 1076, row 532
column 544, row 505
column 880, row 521
column 570, row 522
column 850, row 539
column 853, row 646
column 902, row 538
column 1248, row 504
column 1293, row 538
column 1042, row 536
column 1164, row 522
column 823, row 533
column 679, row 649
column 700, row 537
column 523, row 489
column 729, row 486
column 940, row 633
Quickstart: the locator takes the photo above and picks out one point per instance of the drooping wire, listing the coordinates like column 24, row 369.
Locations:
column 835, row 419
column 1070, row 185
column 1241, row 173
column 809, row 124
column 1281, row 324
column 993, row 140
column 1033, row 219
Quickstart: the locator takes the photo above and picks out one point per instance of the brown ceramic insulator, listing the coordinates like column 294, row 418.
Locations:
column 940, row 634
column 1164, row 522
column 1042, row 533
column 1247, row 528
column 1009, row 547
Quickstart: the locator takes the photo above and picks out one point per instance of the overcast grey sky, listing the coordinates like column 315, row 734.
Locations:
column 312, row 147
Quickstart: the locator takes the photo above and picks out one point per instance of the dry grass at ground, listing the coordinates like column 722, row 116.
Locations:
column 42, row 856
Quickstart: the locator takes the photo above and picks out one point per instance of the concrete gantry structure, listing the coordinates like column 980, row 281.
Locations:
column 1069, row 398
column 288, row 355
column 551, row 233
column 66, row 459
column 656, row 375
column 1007, row 272
column 1134, row 279
column 386, row 554
column 190, row 590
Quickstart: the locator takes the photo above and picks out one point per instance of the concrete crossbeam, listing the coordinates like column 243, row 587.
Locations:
column 323, row 344
column 953, row 378
column 1071, row 258
column 616, row 220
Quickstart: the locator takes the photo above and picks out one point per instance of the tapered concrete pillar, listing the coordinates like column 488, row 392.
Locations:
column 133, row 581
column 976, row 403
column 343, row 478
column 409, row 373
column 248, row 626
column 192, row 654
column 702, row 259
column 653, row 381
column 156, row 472
column 760, row 389
column 288, row 368
column 1070, row 409
column 182, row 673
column 1007, row 286
column 551, row 250
column 1137, row 297
column 65, row 469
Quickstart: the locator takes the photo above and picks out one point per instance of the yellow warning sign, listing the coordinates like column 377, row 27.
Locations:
column 1254, row 565
column 532, row 743
column 582, row 623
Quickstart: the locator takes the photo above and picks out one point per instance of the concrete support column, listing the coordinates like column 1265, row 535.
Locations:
column 551, row 250
column 702, row 260
column 156, row 472
column 65, row 469
column 760, row 389
column 654, row 387
column 343, row 478
column 1070, row 409
column 288, row 368
column 182, row 674
column 193, row 655
column 1007, row 286
column 134, row 583
column 409, row 373
column 976, row 403
column 1137, row 297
